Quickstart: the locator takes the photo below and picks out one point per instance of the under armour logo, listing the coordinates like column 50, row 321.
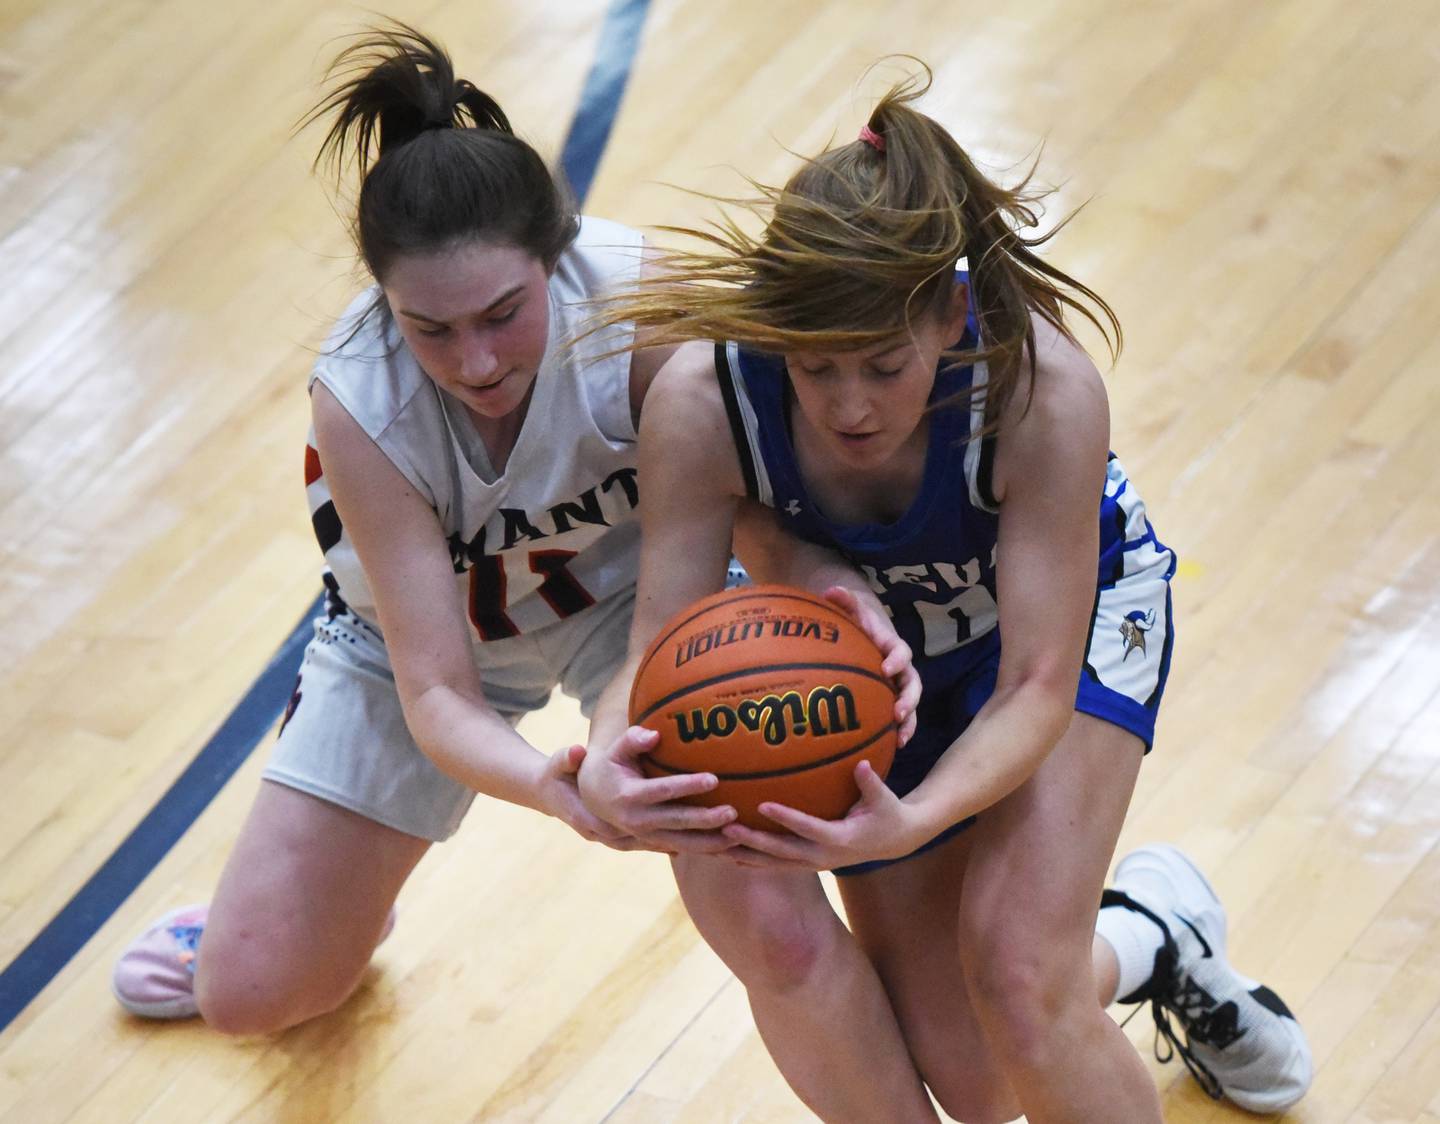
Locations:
column 792, row 508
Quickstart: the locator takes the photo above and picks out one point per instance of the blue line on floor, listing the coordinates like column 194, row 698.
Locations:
column 604, row 87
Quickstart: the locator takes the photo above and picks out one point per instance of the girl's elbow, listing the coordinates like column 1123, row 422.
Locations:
column 1048, row 701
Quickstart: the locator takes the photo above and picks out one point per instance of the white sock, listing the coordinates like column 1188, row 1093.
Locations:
column 1136, row 939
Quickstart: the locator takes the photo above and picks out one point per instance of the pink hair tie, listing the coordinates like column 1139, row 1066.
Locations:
column 872, row 138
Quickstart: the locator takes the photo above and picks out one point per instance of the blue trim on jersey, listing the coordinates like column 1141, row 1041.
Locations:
column 1152, row 704
column 934, row 567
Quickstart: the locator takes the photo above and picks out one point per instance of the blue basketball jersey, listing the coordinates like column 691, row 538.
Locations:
column 934, row 568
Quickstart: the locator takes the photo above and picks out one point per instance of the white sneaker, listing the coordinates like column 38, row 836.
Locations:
column 1241, row 1041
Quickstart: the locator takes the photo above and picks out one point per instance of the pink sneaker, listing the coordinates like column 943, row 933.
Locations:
column 155, row 977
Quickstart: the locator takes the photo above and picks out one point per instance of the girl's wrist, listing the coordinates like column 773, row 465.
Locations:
column 931, row 816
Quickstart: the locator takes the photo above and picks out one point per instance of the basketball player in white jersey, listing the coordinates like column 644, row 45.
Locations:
column 472, row 481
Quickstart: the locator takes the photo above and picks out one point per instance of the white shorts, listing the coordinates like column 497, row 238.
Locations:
column 344, row 737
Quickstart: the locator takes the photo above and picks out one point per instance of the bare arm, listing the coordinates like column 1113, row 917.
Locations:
column 648, row 358
column 1050, row 473
column 403, row 550
column 690, row 484
column 771, row 554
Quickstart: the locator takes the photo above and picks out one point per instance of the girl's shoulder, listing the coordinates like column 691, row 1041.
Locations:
column 1065, row 382
column 1060, row 362
column 687, row 383
column 685, row 401
column 604, row 257
column 1059, row 411
column 366, row 366
column 685, row 425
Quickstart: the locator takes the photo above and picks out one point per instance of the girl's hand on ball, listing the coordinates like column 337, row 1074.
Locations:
column 878, row 826
column 897, row 664
column 561, row 794
column 615, row 790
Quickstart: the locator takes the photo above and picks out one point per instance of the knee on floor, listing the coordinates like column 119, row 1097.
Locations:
column 239, row 999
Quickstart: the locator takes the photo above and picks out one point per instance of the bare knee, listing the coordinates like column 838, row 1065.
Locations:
column 959, row 1070
column 1028, row 997
column 777, row 949
column 789, row 950
column 246, row 992
column 237, row 1009
column 770, row 937
column 298, row 912
column 974, row 1097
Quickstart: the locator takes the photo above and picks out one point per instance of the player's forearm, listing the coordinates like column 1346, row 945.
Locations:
column 612, row 710
column 470, row 742
column 792, row 561
column 1000, row 750
column 770, row 553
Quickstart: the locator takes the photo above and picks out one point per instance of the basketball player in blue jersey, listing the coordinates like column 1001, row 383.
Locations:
column 934, row 434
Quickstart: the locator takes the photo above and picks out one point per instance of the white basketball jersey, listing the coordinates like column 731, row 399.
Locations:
column 558, row 530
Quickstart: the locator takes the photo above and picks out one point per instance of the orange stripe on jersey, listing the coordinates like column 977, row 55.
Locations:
column 312, row 465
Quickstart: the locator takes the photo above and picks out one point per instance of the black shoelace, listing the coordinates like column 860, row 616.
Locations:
column 1195, row 1008
column 1165, row 1032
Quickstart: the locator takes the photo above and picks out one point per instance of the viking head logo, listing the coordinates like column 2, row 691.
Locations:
column 1133, row 629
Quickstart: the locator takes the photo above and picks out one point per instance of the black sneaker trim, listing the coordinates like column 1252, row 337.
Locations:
column 1198, row 1069
column 1158, row 989
column 1164, row 970
column 1209, row 955
column 1271, row 1002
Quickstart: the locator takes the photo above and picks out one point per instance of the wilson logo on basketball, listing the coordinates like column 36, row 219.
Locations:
column 758, row 629
column 826, row 710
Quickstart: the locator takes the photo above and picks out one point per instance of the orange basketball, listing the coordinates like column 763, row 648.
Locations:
column 775, row 691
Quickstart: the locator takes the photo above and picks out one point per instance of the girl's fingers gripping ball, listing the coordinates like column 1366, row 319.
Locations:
column 777, row 692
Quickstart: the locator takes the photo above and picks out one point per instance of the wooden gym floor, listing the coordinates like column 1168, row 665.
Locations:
column 1263, row 183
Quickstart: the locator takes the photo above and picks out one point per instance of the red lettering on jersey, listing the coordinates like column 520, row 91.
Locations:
column 313, row 471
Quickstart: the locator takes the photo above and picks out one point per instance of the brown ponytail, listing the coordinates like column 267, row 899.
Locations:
column 440, row 164
column 861, row 240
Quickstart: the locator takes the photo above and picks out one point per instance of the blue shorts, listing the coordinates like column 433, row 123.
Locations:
column 1127, row 662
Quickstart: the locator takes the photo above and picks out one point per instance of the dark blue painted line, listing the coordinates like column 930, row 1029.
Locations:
column 94, row 903
column 600, row 98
